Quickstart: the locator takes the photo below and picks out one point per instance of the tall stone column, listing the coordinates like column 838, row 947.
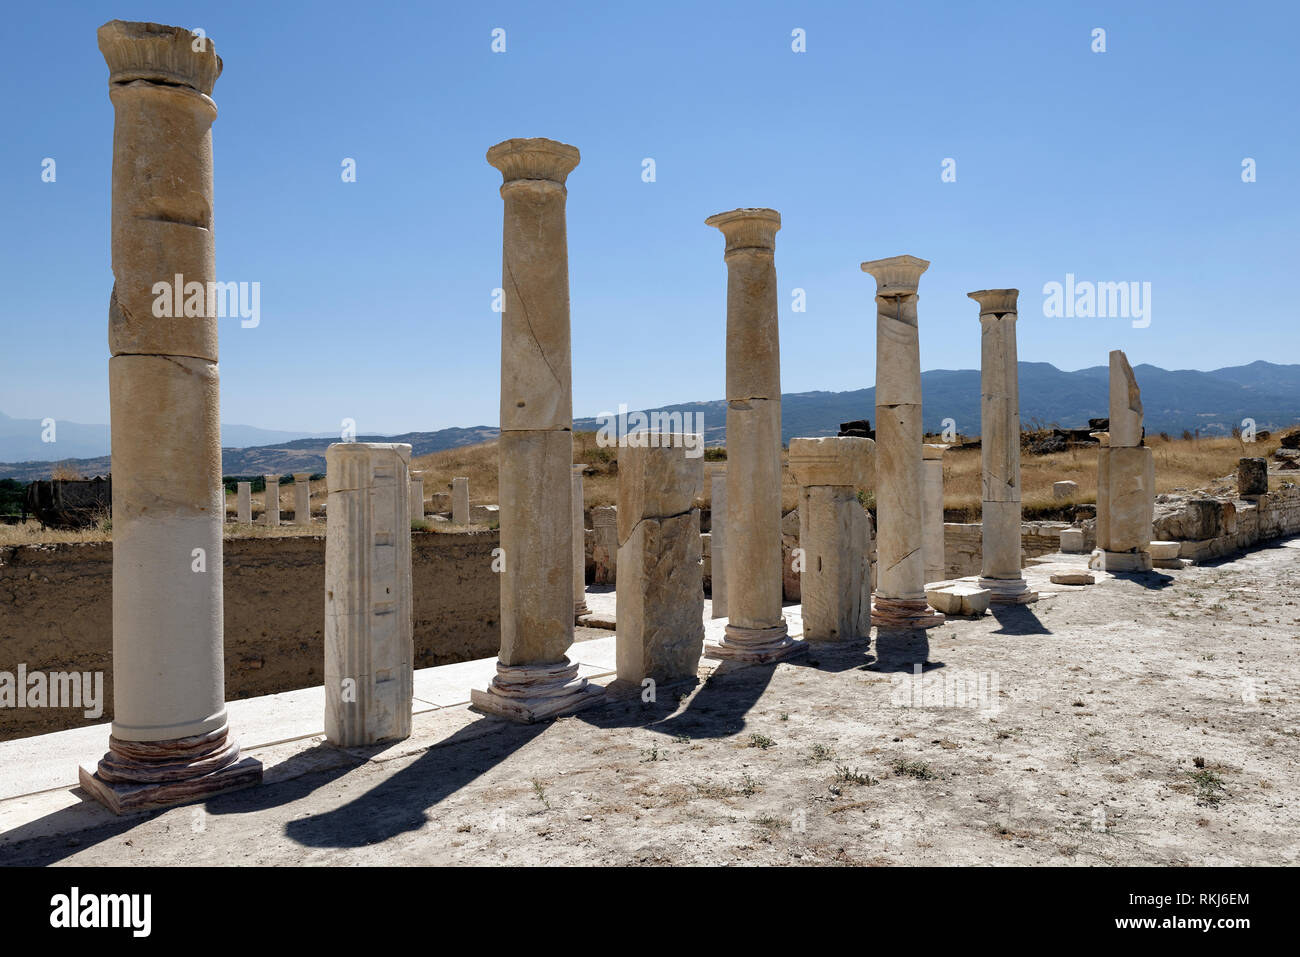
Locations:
column 1125, row 478
column 415, row 498
column 369, row 650
column 169, row 741
column 756, row 629
column 244, row 504
column 271, row 501
column 660, row 599
column 535, row 678
column 900, row 563
column 932, row 545
column 718, row 541
column 579, row 548
column 835, row 535
column 1000, row 448
column 460, row 501
column 604, row 528
column 302, row 498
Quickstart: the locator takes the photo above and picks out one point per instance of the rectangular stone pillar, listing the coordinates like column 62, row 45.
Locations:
column 271, row 503
column 579, row 547
column 604, row 527
column 244, row 504
column 535, row 679
column 756, row 629
column 302, row 498
column 460, row 501
column 416, row 496
column 1125, row 478
column 718, row 542
column 900, row 575
column 369, row 650
column 660, row 598
column 834, row 535
column 932, row 547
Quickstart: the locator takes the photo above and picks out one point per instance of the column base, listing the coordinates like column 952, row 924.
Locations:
column 904, row 613
column 1009, row 591
column 579, row 609
column 755, row 646
column 1120, row 561
column 529, row 693
column 139, row 775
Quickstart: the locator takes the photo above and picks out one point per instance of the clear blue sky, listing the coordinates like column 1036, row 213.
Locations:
column 376, row 295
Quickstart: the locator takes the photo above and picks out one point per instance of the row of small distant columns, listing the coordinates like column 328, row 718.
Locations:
column 460, row 511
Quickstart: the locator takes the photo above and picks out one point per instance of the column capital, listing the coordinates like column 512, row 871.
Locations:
column 933, row 450
column 844, row 460
column 997, row 302
column 534, row 159
column 301, row 477
column 896, row 276
column 160, row 54
column 578, row 468
column 271, row 478
column 748, row 228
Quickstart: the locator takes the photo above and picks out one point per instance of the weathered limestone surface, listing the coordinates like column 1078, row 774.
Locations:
column 169, row 740
column 1252, row 476
column 460, row 501
column 535, row 678
column 302, row 498
column 718, row 543
column 604, row 553
column 958, row 598
column 1125, row 478
column 1065, row 490
column 1000, row 447
column 932, row 512
column 835, row 535
column 579, row 549
column 416, row 495
column 369, row 651
column 756, row 629
column 900, row 563
column 271, row 501
column 244, row 504
column 660, row 598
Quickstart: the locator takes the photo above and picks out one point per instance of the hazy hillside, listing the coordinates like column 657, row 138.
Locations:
column 1212, row 403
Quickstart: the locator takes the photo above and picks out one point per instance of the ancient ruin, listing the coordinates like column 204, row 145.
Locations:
column 460, row 501
column 932, row 511
column 718, row 541
column 271, row 501
column 835, row 535
column 244, row 504
column 579, row 546
column 302, row 498
column 535, row 678
column 660, row 600
column 415, row 496
column 1000, row 447
column 1125, row 478
column 170, row 741
column 900, row 577
column 756, row 630
column 369, row 656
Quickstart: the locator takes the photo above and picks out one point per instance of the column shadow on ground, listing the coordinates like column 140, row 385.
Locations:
column 1017, row 620
column 1152, row 580
column 899, row 649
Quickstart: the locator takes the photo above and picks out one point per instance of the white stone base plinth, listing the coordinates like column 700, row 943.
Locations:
column 755, row 646
column 1009, row 591
column 528, row 693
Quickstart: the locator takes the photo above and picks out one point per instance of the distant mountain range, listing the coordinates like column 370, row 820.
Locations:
column 1212, row 403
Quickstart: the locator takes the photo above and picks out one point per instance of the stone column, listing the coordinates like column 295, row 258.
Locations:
column 604, row 527
column 460, row 501
column 369, row 651
column 660, row 598
column 302, row 498
column 271, row 505
column 718, row 541
column 1125, row 478
column 579, row 548
column 756, row 629
column 1000, row 448
column 932, row 547
column 835, row 535
column 415, row 497
column 244, row 504
column 900, row 563
column 535, row 678
column 169, row 741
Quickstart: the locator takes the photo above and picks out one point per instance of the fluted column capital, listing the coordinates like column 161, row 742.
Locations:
column 896, row 277
column 996, row 302
column 534, row 162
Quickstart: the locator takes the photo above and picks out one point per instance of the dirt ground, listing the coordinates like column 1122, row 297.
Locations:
column 1153, row 720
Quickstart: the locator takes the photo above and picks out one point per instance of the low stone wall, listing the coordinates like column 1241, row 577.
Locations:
column 964, row 553
column 1212, row 527
column 56, row 614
